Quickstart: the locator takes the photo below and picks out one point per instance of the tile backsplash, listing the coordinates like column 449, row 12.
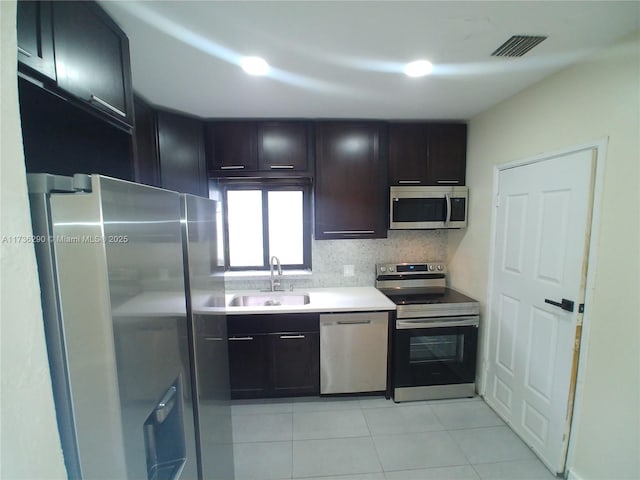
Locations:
column 329, row 258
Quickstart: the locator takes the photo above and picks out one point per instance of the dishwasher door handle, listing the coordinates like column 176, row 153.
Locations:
column 353, row 322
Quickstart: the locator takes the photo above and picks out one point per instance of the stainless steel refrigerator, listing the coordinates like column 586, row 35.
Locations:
column 120, row 344
column 204, row 267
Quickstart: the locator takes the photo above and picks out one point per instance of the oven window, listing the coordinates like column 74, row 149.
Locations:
column 436, row 348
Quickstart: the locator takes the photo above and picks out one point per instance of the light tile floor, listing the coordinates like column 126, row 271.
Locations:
column 371, row 438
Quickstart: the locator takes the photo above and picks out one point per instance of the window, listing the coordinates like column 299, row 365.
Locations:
column 264, row 219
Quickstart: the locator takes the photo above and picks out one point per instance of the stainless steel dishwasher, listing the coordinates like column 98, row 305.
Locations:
column 353, row 352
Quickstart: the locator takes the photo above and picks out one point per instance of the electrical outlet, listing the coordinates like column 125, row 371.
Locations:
column 349, row 271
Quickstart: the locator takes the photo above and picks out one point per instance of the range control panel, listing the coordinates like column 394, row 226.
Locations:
column 409, row 268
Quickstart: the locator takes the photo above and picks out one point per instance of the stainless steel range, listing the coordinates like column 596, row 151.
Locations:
column 436, row 332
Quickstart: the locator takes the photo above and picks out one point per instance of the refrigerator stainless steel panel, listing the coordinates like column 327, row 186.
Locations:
column 114, row 288
column 204, row 265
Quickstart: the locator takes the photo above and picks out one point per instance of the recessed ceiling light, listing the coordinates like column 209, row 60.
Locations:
column 254, row 65
column 419, row 68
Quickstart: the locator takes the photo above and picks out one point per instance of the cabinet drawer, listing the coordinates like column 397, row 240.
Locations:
column 272, row 323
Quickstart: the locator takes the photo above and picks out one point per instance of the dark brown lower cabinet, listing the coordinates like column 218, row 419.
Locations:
column 274, row 355
column 248, row 372
column 295, row 363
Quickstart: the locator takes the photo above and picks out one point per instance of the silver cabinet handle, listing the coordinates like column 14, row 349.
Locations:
column 409, row 181
column 98, row 100
column 240, row 338
column 231, row 167
column 165, row 405
column 291, row 336
column 213, row 339
column 24, row 52
column 355, row 322
column 275, row 167
column 348, row 231
column 448, row 181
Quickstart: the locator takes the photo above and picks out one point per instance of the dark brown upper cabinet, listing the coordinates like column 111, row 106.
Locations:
column 146, row 164
column 92, row 59
column 283, row 146
column 427, row 153
column 408, row 153
column 231, row 147
column 268, row 148
column 181, row 153
column 350, row 181
column 169, row 150
column 35, row 39
column 447, row 154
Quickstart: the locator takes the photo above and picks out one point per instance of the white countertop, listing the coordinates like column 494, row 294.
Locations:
column 321, row 300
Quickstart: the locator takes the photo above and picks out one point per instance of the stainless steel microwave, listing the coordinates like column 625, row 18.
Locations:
column 413, row 208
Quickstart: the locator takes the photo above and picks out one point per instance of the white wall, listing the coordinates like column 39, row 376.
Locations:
column 597, row 98
column 30, row 446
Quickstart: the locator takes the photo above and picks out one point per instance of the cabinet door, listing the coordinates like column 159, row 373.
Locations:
column 295, row 363
column 35, row 37
column 181, row 152
column 408, row 154
column 351, row 181
column 283, row 147
column 248, row 366
column 447, row 156
column 92, row 58
column 231, row 147
column 146, row 165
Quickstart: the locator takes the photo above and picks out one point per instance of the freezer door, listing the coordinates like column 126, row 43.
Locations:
column 118, row 257
column 204, row 265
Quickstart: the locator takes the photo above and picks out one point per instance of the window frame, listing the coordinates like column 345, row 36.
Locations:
column 265, row 186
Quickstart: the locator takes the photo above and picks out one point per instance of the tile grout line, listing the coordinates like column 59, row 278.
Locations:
column 292, row 460
column 373, row 442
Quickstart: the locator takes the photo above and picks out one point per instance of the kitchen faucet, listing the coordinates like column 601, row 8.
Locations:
column 275, row 281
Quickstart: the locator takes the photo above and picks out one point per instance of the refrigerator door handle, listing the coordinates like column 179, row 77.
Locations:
column 165, row 405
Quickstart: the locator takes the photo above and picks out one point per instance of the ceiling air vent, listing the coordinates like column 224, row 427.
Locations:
column 517, row 46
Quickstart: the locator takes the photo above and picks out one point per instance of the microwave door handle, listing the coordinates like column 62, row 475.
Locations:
column 448, row 199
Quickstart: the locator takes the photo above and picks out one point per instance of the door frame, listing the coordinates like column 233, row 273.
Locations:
column 600, row 152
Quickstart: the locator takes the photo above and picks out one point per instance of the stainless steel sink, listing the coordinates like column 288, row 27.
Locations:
column 269, row 299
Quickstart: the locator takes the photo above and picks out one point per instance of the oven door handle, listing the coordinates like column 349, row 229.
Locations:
column 470, row 321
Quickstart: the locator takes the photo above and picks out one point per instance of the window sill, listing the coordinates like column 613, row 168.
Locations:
column 265, row 274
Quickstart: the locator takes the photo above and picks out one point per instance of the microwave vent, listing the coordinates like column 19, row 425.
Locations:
column 517, row 45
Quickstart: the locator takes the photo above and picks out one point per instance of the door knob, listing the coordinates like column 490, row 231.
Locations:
column 564, row 304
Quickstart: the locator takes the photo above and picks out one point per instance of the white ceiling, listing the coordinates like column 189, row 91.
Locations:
column 342, row 59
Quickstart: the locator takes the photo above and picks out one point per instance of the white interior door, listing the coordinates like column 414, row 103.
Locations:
column 541, row 240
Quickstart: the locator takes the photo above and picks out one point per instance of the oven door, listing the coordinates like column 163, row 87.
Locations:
column 441, row 354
